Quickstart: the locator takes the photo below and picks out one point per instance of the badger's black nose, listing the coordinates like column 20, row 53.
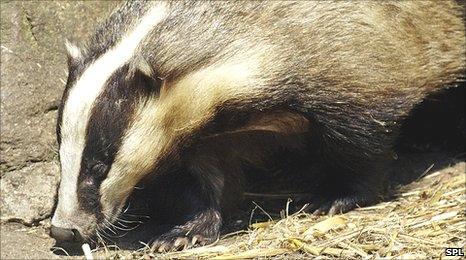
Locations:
column 65, row 234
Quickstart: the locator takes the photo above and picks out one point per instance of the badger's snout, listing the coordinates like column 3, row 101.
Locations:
column 65, row 234
column 70, row 224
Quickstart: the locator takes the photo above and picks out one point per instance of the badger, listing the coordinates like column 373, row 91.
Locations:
column 188, row 92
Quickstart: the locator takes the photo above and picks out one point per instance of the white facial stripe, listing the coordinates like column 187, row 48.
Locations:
column 78, row 107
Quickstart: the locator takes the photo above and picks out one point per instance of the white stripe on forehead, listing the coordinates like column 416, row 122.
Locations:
column 77, row 109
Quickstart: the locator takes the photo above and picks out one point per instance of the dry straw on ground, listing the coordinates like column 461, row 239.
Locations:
column 426, row 217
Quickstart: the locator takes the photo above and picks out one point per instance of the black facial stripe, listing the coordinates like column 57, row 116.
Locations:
column 110, row 117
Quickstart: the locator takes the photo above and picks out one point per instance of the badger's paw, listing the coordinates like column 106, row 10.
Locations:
column 179, row 240
column 203, row 229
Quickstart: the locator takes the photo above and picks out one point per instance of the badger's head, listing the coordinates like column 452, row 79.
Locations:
column 91, row 129
column 99, row 133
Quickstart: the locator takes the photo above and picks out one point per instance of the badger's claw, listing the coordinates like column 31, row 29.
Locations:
column 175, row 240
column 202, row 229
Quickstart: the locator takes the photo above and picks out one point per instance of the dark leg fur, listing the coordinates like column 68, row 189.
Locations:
column 204, row 195
column 195, row 217
column 343, row 190
column 356, row 148
column 184, row 201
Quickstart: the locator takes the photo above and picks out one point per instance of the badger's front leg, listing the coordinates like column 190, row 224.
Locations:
column 192, row 209
column 210, row 185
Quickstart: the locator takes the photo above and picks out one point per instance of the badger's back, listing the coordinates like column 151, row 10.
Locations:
column 368, row 46
column 367, row 43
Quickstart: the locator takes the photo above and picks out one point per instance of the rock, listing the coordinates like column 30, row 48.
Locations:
column 28, row 194
column 33, row 73
column 18, row 242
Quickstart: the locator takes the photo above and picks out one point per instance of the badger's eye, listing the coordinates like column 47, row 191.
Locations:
column 99, row 168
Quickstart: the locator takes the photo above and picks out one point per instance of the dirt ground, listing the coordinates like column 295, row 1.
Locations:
column 33, row 74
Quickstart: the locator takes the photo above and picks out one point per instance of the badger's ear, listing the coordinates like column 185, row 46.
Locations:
column 141, row 70
column 141, row 64
column 74, row 52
